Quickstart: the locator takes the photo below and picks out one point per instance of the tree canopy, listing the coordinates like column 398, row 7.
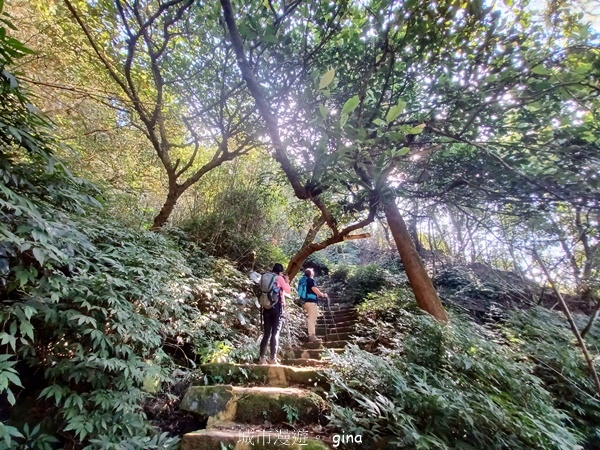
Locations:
column 142, row 141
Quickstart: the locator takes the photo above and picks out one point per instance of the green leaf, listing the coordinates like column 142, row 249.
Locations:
column 323, row 110
column 403, row 151
column 395, row 136
column 350, row 105
column 15, row 133
column 326, row 79
column 343, row 120
column 26, row 329
column 14, row 379
column 7, row 432
column 11, row 397
column 540, row 70
column 395, row 111
column 584, row 68
column 40, row 255
column 270, row 38
column 22, row 276
column 151, row 384
column 416, row 130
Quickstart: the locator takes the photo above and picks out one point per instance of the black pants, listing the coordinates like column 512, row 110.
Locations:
column 271, row 327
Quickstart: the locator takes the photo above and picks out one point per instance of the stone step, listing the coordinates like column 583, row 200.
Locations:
column 338, row 310
column 342, row 312
column 342, row 318
column 248, row 438
column 271, row 375
column 325, row 344
column 338, row 307
column 226, row 404
column 341, row 323
column 322, row 321
column 327, row 331
column 306, row 362
column 333, row 335
column 333, row 310
column 324, row 308
column 312, row 353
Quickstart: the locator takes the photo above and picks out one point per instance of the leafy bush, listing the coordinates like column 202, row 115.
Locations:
column 388, row 304
column 236, row 227
column 449, row 387
column 98, row 332
column 548, row 341
column 340, row 274
column 455, row 278
column 482, row 282
column 91, row 311
column 366, row 279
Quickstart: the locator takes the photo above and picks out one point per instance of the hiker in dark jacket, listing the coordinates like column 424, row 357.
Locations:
column 272, row 318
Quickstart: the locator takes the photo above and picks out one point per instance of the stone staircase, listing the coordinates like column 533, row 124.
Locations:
column 251, row 406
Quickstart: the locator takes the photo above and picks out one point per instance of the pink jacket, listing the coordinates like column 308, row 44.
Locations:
column 285, row 287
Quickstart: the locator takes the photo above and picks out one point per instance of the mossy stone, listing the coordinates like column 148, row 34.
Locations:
column 229, row 373
column 206, row 401
column 256, row 408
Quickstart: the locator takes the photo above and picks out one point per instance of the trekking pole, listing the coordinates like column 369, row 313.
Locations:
column 325, row 323
column 287, row 324
column 332, row 319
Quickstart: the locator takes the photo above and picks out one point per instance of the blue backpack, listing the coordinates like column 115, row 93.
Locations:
column 302, row 288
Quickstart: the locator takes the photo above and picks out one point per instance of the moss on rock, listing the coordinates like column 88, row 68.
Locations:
column 255, row 407
column 206, row 401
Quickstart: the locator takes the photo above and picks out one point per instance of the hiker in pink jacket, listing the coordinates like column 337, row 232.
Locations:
column 272, row 318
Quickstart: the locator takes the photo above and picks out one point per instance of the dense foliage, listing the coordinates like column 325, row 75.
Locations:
column 92, row 312
column 464, row 386
column 299, row 132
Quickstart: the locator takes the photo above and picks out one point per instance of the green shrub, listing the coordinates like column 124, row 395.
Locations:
column 388, row 304
column 549, row 343
column 91, row 311
column 455, row 278
column 445, row 387
column 365, row 280
column 236, row 226
column 340, row 274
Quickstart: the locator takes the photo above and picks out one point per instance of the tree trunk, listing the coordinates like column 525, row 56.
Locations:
column 161, row 219
column 306, row 250
column 318, row 222
column 421, row 284
column 412, row 225
column 297, row 260
column 415, row 233
column 457, row 225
